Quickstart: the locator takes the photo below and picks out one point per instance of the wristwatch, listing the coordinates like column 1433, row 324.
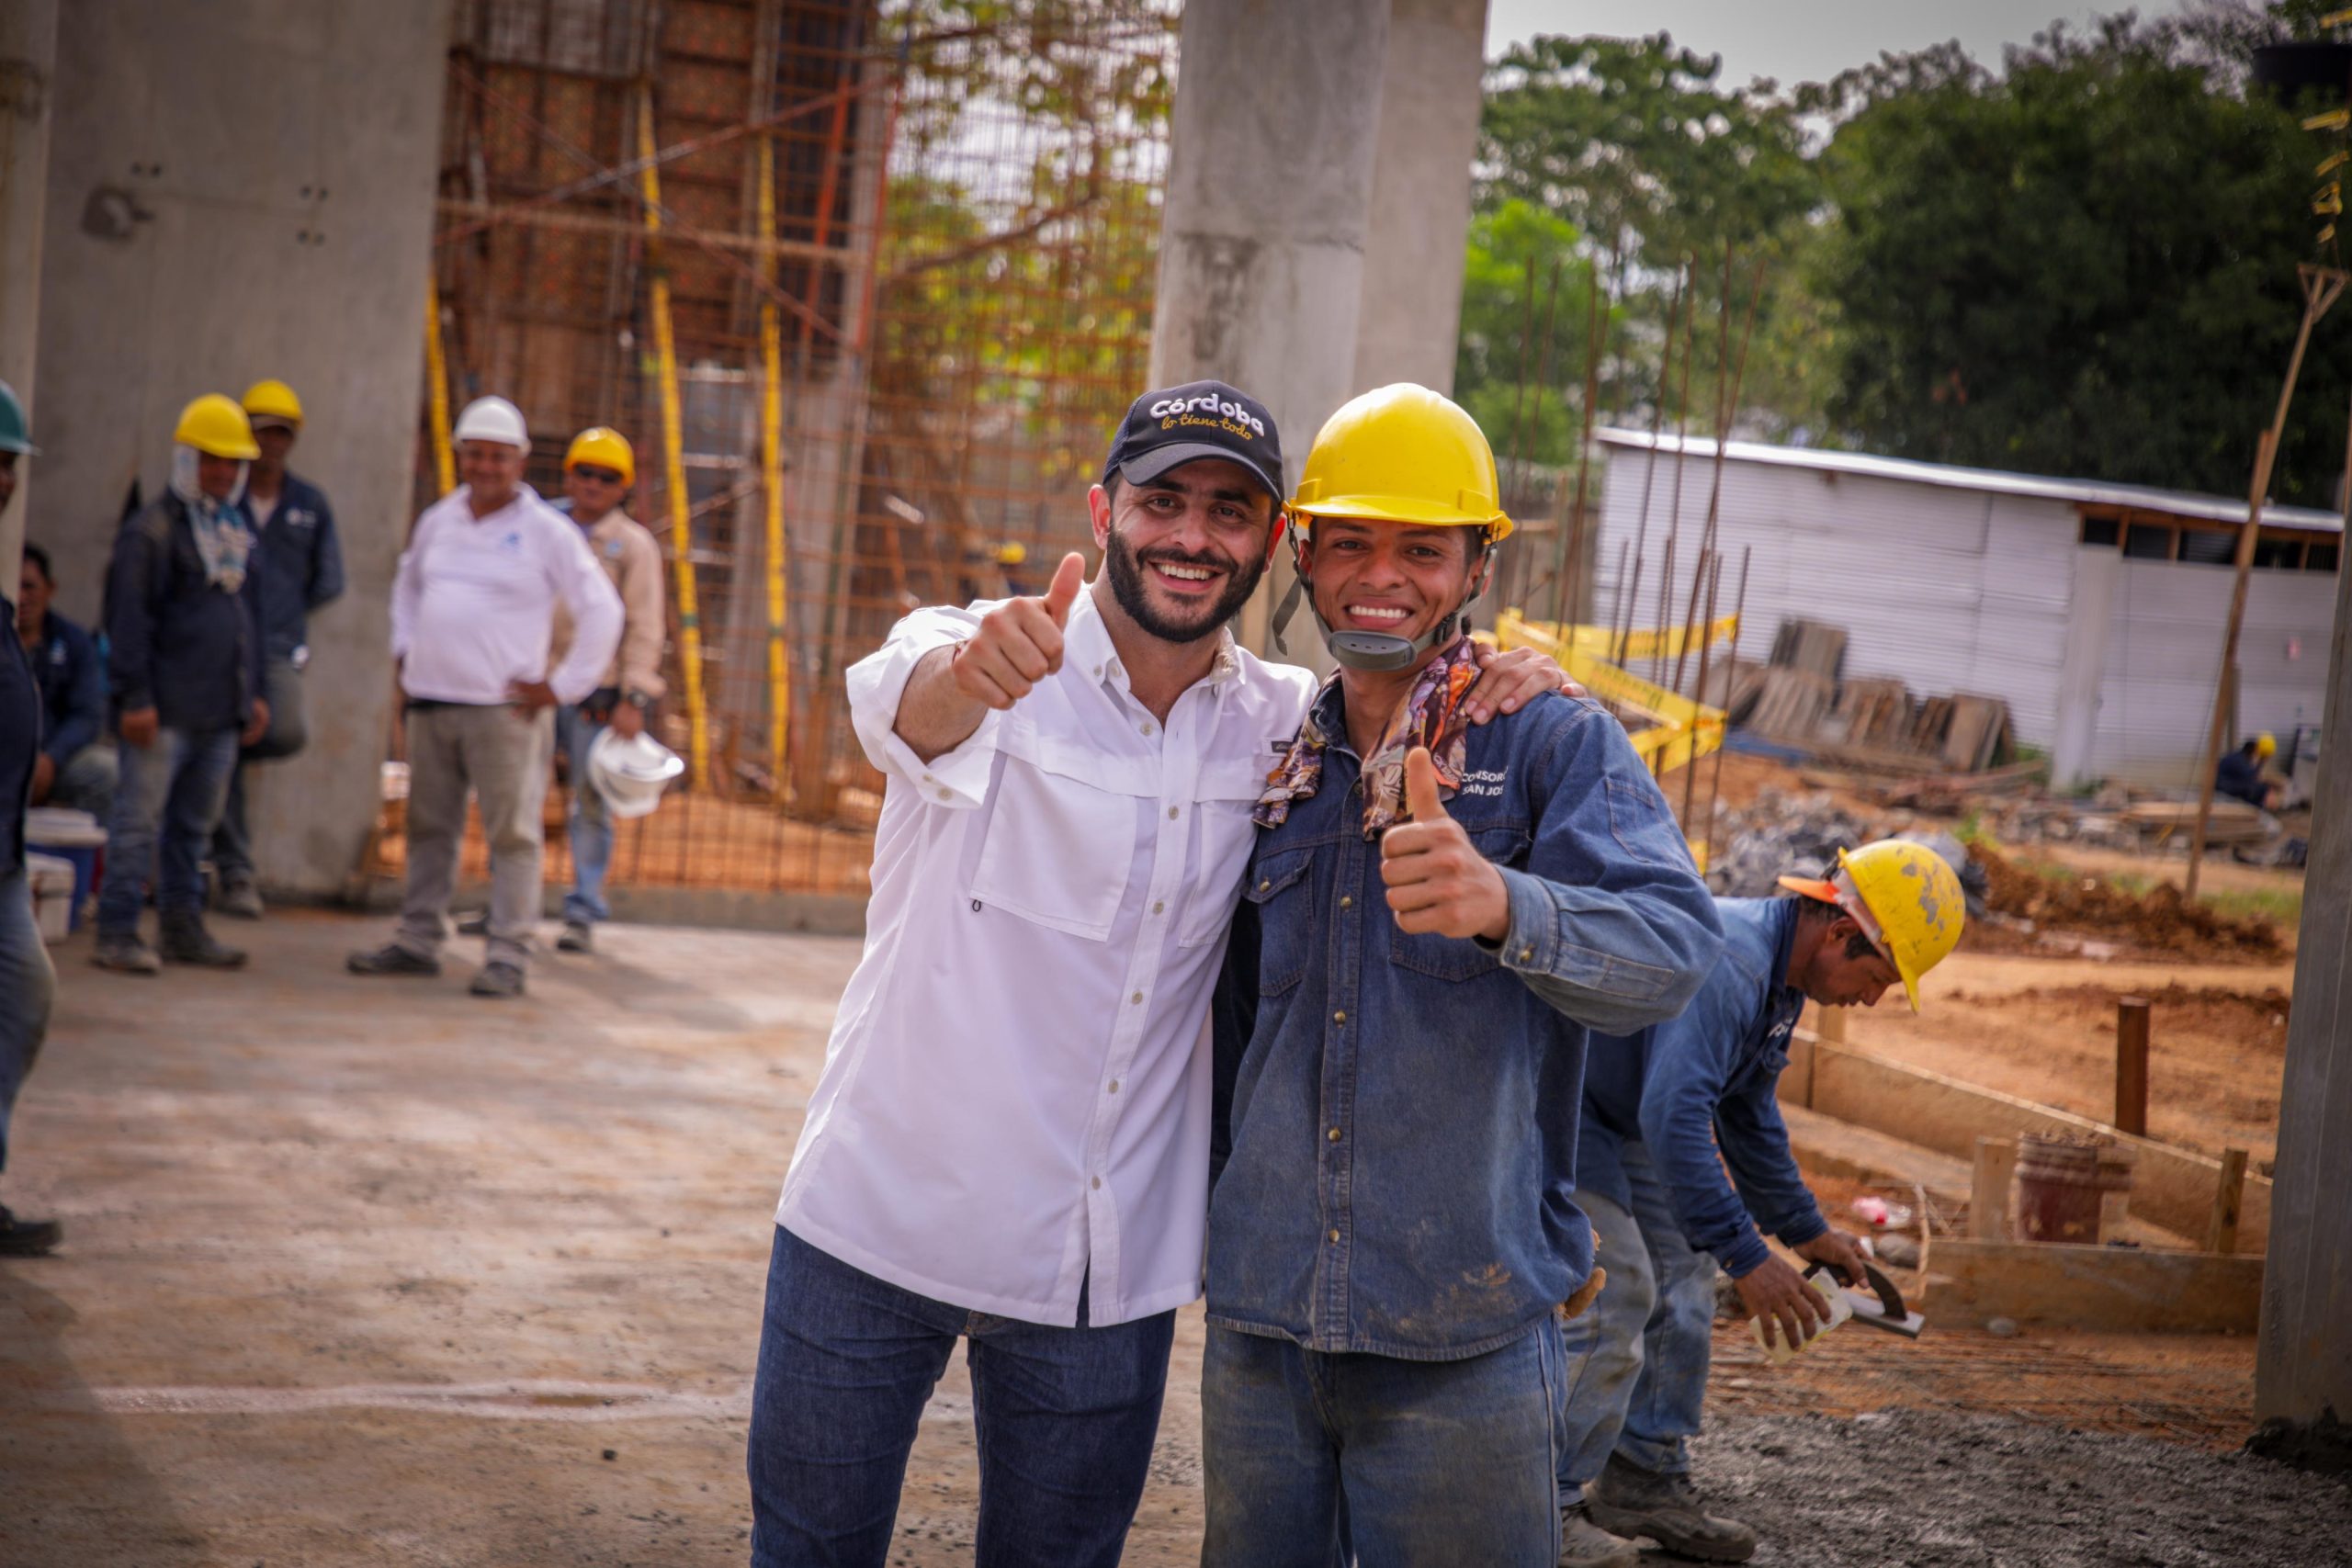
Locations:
column 638, row 701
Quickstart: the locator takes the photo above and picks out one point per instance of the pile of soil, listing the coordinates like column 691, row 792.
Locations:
column 2250, row 1018
column 2159, row 921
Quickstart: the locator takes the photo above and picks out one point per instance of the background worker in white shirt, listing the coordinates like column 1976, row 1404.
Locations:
column 1010, row 1140
column 472, row 605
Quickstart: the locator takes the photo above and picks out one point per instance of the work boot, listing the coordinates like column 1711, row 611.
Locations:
column 391, row 959
column 1630, row 1501
column 126, row 954
column 185, row 940
column 578, row 936
column 475, row 924
column 497, row 978
column 242, row 899
column 28, row 1238
column 1583, row 1544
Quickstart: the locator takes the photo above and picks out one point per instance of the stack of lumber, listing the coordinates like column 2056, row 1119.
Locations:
column 1971, row 733
column 1864, row 721
column 1871, row 711
column 2232, row 821
column 1791, row 703
column 1809, row 644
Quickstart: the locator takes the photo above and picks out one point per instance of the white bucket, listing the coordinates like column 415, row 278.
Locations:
column 1819, row 1281
column 51, row 878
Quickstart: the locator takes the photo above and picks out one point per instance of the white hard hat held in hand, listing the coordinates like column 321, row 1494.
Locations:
column 493, row 419
column 630, row 773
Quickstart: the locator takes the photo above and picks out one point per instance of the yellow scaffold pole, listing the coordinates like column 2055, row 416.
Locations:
column 674, row 451
column 437, row 376
column 771, row 483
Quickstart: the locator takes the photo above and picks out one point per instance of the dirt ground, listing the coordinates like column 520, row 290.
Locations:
column 369, row 1272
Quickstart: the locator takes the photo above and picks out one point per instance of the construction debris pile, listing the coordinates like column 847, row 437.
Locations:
column 1799, row 699
column 2161, row 919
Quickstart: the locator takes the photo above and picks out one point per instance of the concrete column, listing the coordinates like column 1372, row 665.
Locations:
column 2304, row 1361
column 236, row 190
column 1318, row 194
column 27, row 63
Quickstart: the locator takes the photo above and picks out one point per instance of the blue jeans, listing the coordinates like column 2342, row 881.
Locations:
column 590, row 820
column 165, row 807
column 1065, row 1418
column 1647, row 1337
column 289, row 732
column 27, row 985
column 1431, row 1462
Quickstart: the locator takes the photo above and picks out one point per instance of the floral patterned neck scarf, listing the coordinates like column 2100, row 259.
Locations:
column 1434, row 717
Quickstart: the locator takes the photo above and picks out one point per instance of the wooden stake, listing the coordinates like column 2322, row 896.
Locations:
column 2131, row 1066
column 1988, row 1189
column 2221, row 1231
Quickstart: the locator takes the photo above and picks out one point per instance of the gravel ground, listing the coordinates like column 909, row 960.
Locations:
column 1923, row 1489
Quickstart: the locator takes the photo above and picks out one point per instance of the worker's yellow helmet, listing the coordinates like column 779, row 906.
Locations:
column 1906, row 899
column 273, row 399
column 2266, row 746
column 217, row 427
column 1402, row 454
column 604, row 448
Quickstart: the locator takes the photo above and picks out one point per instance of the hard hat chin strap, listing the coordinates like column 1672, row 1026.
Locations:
column 1378, row 652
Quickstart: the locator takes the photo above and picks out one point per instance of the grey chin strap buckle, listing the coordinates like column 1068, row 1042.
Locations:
column 1371, row 652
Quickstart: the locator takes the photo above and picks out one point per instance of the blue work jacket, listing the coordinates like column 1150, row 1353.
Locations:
column 175, row 642
column 1708, row 1082
column 296, row 566
column 19, row 742
column 1396, row 1126
column 73, row 687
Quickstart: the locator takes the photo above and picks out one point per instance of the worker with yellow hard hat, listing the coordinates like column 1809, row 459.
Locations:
column 184, row 665
column 1434, row 915
column 297, row 569
column 2239, row 774
column 1666, row 1112
column 599, row 466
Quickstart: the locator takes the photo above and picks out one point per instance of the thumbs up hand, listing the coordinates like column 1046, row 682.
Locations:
column 1437, row 881
column 1020, row 641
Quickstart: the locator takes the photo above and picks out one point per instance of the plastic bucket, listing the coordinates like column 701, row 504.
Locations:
column 2058, row 1188
column 73, row 836
column 50, row 878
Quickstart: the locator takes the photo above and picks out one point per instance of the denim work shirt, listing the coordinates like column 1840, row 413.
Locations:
column 1707, row 1081
column 296, row 566
column 1407, row 1194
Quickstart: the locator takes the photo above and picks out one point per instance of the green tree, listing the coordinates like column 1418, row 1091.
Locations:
column 1499, row 364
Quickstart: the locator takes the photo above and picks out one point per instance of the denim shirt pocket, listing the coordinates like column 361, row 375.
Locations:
column 1279, row 886
column 1453, row 957
column 1644, row 829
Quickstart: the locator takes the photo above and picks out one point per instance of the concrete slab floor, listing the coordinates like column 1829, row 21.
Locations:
column 371, row 1271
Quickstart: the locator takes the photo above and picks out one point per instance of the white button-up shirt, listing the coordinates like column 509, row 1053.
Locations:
column 473, row 605
column 1015, row 1099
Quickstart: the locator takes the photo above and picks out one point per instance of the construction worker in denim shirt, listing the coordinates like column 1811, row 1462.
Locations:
column 1665, row 1113
column 1433, row 916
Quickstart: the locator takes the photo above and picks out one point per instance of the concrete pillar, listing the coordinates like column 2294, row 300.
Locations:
column 1318, row 194
column 2304, row 1362
column 27, row 63
column 242, row 190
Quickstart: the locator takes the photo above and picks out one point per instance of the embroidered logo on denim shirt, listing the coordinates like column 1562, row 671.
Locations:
column 1483, row 781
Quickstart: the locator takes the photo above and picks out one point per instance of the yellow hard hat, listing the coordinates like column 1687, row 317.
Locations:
column 273, row 399
column 607, row 449
column 217, row 427
column 1907, row 899
column 1403, row 454
column 2266, row 746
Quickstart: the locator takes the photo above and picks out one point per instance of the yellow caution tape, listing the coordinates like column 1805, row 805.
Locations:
column 1676, row 731
column 2334, row 120
column 2333, row 162
column 2336, row 18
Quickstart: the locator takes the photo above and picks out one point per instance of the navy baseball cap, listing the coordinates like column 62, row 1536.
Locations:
column 1199, row 419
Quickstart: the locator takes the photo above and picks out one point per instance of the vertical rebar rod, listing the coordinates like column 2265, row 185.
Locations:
column 1738, row 624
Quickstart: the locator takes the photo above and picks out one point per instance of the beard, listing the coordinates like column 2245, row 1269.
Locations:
column 1126, row 567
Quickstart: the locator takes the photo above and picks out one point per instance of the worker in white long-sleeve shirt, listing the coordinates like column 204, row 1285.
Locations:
column 477, row 590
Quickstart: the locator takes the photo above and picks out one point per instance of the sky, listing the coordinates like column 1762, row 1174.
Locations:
column 1799, row 40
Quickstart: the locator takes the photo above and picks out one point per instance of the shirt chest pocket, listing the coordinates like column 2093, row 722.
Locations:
column 1279, row 885
column 1222, row 840
column 1061, row 838
column 1454, row 957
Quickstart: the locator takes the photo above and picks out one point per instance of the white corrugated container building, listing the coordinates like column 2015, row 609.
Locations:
column 2095, row 611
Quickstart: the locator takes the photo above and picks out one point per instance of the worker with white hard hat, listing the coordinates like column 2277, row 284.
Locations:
column 1667, row 1113
column 472, row 602
column 183, row 671
column 297, row 569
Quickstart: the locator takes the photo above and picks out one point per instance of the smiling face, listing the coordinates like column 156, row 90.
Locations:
column 593, row 491
column 1185, row 551
column 1397, row 578
column 492, row 469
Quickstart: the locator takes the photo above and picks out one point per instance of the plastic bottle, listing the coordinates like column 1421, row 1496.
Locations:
column 1823, row 1284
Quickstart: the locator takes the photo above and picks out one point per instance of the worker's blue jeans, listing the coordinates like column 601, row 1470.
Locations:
column 1649, row 1335
column 591, row 821
column 165, row 807
column 289, row 732
column 26, row 984
column 1409, row 1462
column 1065, row 1418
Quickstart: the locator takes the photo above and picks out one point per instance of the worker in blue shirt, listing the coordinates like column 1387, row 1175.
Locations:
column 1667, row 1112
column 2239, row 773
column 297, row 568
column 1399, row 1041
column 77, row 766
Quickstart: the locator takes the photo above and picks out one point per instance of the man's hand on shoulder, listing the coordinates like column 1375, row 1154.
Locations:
column 1437, row 879
column 1508, row 681
column 1020, row 641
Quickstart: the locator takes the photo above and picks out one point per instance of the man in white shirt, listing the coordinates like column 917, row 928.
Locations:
column 476, row 593
column 1010, row 1140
